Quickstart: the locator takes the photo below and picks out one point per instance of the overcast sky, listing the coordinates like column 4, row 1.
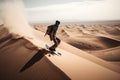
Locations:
column 72, row 10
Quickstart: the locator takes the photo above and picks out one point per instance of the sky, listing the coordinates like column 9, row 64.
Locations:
column 72, row 10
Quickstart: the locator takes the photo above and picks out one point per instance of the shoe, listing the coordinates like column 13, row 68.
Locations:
column 51, row 49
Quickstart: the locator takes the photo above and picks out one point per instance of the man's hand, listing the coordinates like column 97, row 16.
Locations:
column 45, row 34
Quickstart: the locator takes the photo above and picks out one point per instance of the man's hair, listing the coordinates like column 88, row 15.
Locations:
column 57, row 22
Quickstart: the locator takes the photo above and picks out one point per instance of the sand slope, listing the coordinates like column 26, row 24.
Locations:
column 19, row 59
column 20, row 63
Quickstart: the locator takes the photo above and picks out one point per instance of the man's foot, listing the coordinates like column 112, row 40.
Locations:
column 51, row 49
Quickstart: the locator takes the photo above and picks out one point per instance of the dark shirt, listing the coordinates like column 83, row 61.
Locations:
column 54, row 28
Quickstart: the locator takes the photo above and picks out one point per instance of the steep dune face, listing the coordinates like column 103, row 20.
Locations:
column 85, row 44
column 109, row 42
column 17, row 61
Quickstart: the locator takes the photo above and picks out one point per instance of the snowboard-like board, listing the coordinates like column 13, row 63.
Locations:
column 53, row 52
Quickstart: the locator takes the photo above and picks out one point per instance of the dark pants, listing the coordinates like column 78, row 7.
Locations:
column 56, row 42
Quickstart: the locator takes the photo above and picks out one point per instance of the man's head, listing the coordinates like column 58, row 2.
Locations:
column 57, row 22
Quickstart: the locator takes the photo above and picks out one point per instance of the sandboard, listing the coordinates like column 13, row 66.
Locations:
column 53, row 52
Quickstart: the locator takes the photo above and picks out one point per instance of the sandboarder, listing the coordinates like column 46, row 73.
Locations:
column 51, row 31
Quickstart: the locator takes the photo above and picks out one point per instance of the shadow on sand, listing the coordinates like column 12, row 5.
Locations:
column 38, row 56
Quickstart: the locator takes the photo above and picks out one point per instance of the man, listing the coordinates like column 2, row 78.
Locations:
column 51, row 31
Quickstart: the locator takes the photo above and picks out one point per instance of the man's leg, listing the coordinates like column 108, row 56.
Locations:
column 56, row 43
column 51, row 37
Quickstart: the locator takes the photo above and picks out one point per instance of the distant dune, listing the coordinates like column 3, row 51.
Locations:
column 111, row 54
column 93, row 43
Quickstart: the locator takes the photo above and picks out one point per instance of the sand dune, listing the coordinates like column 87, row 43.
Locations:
column 19, row 62
column 113, row 31
column 21, row 59
column 93, row 43
column 111, row 54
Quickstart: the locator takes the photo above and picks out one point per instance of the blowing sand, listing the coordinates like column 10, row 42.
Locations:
column 89, row 52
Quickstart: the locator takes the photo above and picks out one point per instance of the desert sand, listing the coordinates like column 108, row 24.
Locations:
column 89, row 52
